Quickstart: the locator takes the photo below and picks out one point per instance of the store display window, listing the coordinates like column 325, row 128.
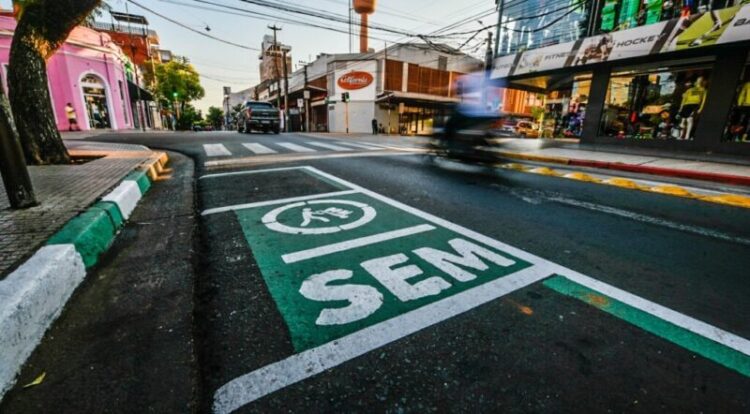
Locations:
column 662, row 103
column 565, row 109
column 738, row 127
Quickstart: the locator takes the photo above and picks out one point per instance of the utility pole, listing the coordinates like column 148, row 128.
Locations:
column 276, row 65
column 306, row 95
column 286, row 92
column 16, row 177
column 487, row 69
column 500, row 10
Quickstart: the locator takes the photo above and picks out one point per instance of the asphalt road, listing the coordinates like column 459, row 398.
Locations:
column 386, row 280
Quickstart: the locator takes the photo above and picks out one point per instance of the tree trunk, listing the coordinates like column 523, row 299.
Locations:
column 42, row 29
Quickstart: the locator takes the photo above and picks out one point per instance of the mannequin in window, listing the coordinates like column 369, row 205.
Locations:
column 739, row 130
column 693, row 100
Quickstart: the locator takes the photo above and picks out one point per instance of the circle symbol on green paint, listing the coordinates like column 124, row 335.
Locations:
column 319, row 217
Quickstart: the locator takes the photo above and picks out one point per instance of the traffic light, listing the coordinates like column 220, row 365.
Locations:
column 345, row 97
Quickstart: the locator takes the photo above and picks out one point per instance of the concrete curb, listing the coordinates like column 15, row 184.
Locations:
column 34, row 295
column 643, row 169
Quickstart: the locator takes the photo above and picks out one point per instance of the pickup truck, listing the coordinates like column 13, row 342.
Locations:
column 259, row 116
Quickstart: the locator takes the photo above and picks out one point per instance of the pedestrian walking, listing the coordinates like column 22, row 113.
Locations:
column 374, row 126
column 70, row 113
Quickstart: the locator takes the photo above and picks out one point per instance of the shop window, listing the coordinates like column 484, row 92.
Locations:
column 564, row 110
column 738, row 127
column 659, row 104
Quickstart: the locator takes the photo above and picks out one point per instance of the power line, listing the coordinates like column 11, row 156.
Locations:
column 169, row 19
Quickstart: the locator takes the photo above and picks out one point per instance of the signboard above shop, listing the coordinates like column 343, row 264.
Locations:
column 355, row 80
column 696, row 31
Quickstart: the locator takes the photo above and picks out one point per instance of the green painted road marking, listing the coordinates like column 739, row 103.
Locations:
column 348, row 289
column 701, row 345
column 330, row 281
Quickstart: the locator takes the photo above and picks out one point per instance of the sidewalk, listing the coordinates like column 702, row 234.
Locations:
column 64, row 191
column 77, row 135
column 698, row 166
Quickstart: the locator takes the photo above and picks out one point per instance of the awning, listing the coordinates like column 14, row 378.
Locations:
column 416, row 98
column 133, row 90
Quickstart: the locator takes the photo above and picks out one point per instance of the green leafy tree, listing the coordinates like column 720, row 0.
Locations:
column 43, row 26
column 177, row 84
column 215, row 117
column 189, row 117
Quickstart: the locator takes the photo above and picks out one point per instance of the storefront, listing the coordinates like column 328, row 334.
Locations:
column 681, row 83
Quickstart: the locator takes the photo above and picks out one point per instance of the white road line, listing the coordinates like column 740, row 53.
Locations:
column 363, row 146
column 216, row 150
column 354, row 243
column 271, row 378
column 274, row 202
column 265, row 170
column 328, row 146
column 701, row 231
column 295, row 147
column 258, row 148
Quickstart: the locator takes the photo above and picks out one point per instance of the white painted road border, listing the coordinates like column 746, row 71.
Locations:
column 271, row 378
column 31, row 298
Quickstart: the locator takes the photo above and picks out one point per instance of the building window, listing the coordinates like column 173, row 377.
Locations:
column 663, row 103
column 738, row 127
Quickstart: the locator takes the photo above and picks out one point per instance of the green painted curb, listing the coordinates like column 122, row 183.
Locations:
column 113, row 211
column 92, row 232
column 141, row 178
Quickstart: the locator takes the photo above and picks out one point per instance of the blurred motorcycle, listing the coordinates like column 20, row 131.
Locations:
column 465, row 132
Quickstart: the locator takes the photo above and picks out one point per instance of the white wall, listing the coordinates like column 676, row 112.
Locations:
column 362, row 104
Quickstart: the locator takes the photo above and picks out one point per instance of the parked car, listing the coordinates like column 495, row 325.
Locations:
column 527, row 129
column 259, row 116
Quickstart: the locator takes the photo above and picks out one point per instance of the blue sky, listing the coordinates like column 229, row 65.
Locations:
column 226, row 65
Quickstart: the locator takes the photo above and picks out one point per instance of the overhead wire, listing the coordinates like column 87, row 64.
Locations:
column 178, row 23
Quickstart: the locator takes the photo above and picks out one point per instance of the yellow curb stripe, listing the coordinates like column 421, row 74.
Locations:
column 623, row 183
column 735, row 200
column 579, row 176
column 545, row 171
column 530, row 157
column 728, row 199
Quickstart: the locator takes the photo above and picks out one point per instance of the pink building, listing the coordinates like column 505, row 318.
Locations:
column 89, row 71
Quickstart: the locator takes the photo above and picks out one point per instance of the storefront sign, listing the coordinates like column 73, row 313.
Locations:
column 699, row 30
column 355, row 80
column 546, row 58
column 624, row 44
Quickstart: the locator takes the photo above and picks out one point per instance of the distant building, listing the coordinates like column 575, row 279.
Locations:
column 272, row 59
column 141, row 45
column 406, row 88
column 89, row 70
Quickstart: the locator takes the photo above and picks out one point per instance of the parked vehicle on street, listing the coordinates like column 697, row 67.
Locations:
column 527, row 129
column 259, row 116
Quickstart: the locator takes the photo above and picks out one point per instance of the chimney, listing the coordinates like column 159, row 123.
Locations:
column 364, row 8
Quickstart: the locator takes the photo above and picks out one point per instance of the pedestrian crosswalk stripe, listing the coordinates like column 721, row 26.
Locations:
column 328, row 146
column 216, row 150
column 258, row 148
column 295, row 147
column 362, row 146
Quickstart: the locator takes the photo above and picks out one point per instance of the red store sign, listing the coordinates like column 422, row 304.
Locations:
column 355, row 80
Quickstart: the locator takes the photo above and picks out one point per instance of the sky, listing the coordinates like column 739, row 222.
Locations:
column 222, row 64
